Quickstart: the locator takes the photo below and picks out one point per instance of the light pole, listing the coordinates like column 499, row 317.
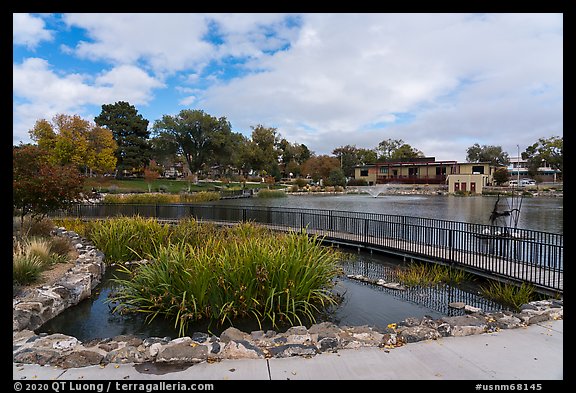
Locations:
column 518, row 167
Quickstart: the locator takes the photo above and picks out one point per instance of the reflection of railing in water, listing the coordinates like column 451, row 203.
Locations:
column 436, row 298
column 522, row 255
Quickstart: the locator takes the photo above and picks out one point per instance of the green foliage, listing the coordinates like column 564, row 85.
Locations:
column 201, row 138
column 130, row 131
column 501, row 176
column 154, row 198
column 33, row 255
column 124, row 239
column 422, row 274
column 271, row 194
column 227, row 273
column 40, row 187
column 550, row 150
column 511, row 295
column 492, row 154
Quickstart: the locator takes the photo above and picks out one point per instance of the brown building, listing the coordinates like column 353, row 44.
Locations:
column 427, row 170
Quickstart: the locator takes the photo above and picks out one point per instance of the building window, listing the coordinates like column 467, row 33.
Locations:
column 440, row 170
column 363, row 172
column 478, row 169
column 384, row 169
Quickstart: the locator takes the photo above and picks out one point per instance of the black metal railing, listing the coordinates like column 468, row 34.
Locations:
column 521, row 255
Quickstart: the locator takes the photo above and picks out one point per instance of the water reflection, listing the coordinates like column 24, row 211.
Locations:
column 363, row 304
column 539, row 214
column 435, row 298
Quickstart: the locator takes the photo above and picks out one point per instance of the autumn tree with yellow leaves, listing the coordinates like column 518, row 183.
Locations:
column 71, row 140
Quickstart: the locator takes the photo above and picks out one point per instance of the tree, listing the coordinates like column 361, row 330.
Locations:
column 151, row 173
column 263, row 152
column 396, row 150
column 319, row 167
column 492, row 154
column 71, row 140
column 130, row 131
column 550, row 150
column 351, row 156
column 200, row 138
column 39, row 186
column 336, row 177
column 501, row 176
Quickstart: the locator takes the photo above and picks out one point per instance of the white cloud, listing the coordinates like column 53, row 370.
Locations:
column 29, row 31
column 41, row 92
column 440, row 82
column 460, row 77
column 163, row 42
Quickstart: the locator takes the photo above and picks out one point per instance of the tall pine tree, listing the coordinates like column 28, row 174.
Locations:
column 130, row 132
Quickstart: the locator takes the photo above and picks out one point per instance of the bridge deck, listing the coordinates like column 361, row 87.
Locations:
column 484, row 264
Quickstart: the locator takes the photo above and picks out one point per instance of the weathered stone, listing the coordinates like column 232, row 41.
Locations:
column 241, row 349
column 57, row 341
column 80, row 359
column 233, row 334
column 37, row 356
column 296, row 330
column 153, row 340
column 109, row 346
column 287, row 350
column 410, row 321
column 418, row 333
column 508, row 322
column 457, row 305
column 471, row 309
column 127, row 354
column 182, row 351
column 328, row 344
column 200, row 337
column 324, row 329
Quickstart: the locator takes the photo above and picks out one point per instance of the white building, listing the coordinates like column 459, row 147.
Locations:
column 519, row 168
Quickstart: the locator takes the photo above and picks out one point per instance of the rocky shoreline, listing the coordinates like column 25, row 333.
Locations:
column 32, row 309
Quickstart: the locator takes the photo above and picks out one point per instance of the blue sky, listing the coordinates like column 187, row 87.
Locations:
column 440, row 82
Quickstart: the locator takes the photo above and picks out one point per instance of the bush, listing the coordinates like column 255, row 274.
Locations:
column 242, row 271
column 357, row 182
column 271, row 193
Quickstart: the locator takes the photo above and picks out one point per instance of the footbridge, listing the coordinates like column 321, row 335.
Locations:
column 501, row 253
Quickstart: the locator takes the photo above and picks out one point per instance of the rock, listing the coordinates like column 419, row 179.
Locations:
column 81, row 358
column 457, row 305
column 284, row 351
column 471, row 309
column 233, row 334
column 182, row 351
column 328, row 344
column 241, row 349
column 418, row 333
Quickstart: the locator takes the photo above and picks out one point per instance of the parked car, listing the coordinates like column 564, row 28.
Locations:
column 523, row 183
column 527, row 182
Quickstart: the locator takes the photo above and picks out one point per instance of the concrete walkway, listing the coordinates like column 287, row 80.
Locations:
column 522, row 354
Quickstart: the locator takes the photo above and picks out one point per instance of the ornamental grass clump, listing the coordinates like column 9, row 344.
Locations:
column 510, row 295
column 238, row 272
column 422, row 274
column 124, row 239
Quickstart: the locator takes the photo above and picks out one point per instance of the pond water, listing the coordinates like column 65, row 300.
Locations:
column 536, row 213
column 362, row 304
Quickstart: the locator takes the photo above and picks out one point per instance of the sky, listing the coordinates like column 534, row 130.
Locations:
column 440, row 82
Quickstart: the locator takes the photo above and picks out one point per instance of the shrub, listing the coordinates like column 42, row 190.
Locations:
column 243, row 271
column 511, row 295
column 271, row 193
column 124, row 239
